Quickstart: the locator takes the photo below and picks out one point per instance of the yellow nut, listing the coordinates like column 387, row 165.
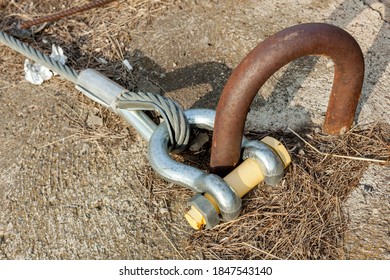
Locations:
column 195, row 218
column 279, row 148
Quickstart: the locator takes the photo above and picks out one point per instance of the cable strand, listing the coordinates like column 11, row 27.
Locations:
column 177, row 123
column 171, row 112
column 43, row 59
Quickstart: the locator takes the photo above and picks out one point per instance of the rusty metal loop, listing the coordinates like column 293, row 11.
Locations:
column 263, row 61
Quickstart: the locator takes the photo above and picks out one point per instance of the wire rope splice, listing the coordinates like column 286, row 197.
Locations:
column 106, row 92
column 130, row 105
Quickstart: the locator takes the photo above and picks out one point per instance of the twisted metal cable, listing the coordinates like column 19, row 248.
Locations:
column 66, row 13
column 177, row 123
column 43, row 59
column 178, row 126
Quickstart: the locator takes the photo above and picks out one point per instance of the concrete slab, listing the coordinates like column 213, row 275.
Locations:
column 190, row 53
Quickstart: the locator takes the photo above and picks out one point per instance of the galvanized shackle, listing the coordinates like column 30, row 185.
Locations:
column 263, row 160
column 190, row 177
column 268, row 57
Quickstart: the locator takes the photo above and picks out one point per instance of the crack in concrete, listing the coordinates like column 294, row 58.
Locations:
column 382, row 16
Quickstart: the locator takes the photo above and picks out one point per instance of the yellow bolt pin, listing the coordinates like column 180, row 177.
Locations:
column 279, row 148
column 195, row 218
column 242, row 179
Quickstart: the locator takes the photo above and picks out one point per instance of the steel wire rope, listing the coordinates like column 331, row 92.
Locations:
column 43, row 59
column 178, row 126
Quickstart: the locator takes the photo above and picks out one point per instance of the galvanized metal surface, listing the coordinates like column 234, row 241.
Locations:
column 104, row 91
column 99, row 88
column 201, row 182
column 139, row 121
column 269, row 56
column 190, row 177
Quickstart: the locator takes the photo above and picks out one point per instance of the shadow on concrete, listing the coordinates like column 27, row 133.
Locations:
column 216, row 74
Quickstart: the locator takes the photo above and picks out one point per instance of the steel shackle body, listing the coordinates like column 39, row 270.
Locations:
column 270, row 165
column 268, row 57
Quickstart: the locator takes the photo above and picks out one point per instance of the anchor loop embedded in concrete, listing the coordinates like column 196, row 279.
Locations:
column 263, row 61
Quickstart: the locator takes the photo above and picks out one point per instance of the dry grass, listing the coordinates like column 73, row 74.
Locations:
column 303, row 217
column 88, row 39
column 98, row 39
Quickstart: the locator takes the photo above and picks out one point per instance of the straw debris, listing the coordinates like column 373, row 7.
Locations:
column 303, row 218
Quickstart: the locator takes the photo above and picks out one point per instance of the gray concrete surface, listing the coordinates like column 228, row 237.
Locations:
column 96, row 208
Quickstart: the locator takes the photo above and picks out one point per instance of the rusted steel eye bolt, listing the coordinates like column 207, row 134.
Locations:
column 267, row 159
column 263, row 61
